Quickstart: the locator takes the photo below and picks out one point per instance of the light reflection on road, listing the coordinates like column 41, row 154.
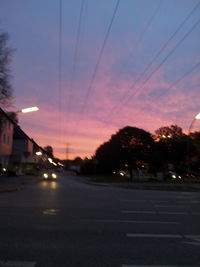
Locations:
column 50, row 211
column 49, row 184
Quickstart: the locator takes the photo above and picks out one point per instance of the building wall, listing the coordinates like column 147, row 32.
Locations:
column 20, row 146
column 6, row 136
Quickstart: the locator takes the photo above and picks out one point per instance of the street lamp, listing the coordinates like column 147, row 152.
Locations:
column 197, row 117
column 27, row 110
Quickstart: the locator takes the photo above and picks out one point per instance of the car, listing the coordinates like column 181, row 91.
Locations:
column 50, row 175
column 174, row 175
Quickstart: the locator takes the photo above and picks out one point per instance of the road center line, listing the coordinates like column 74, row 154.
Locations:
column 145, row 200
column 156, row 212
column 127, row 221
column 154, row 235
column 171, row 206
column 127, row 265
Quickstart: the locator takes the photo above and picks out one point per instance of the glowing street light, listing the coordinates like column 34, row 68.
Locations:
column 27, row 110
column 197, row 117
column 38, row 153
column 50, row 160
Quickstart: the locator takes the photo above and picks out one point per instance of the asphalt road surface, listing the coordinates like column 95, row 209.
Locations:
column 71, row 223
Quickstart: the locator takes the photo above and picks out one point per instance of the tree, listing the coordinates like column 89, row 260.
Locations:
column 166, row 132
column 170, row 147
column 13, row 116
column 77, row 161
column 49, row 151
column 5, row 59
column 194, row 151
column 130, row 146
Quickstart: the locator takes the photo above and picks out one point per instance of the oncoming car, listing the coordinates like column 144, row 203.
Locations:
column 49, row 175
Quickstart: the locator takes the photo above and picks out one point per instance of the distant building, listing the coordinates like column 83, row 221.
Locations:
column 6, row 138
column 27, row 156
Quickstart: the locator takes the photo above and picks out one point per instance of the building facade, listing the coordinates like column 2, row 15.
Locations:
column 6, row 138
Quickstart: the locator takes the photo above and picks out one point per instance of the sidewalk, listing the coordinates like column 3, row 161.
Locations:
column 15, row 183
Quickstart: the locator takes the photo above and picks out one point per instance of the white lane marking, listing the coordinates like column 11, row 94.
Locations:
column 146, row 200
column 125, row 265
column 173, row 213
column 156, row 212
column 134, row 200
column 17, row 263
column 127, row 221
column 193, row 243
column 195, row 238
column 171, row 206
column 138, row 211
column 154, row 235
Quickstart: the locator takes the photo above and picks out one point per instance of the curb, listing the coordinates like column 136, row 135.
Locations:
column 186, row 187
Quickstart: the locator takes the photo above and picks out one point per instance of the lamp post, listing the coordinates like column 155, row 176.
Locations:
column 197, row 117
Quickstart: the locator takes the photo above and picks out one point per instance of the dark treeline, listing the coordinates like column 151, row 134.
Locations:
column 132, row 148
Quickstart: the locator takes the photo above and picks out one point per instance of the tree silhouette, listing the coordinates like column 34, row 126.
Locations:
column 5, row 59
column 129, row 147
column 49, row 151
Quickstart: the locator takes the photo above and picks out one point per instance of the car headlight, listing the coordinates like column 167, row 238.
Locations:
column 173, row 176
column 54, row 175
column 45, row 175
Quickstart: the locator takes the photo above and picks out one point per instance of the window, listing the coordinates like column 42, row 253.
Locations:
column 4, row 139
column 8, row 140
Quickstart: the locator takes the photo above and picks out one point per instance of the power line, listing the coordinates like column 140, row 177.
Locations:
column 60, row 52
column 149, row 23
column 81, row 113
column 180, row 79
column 74, row 66
column 163, row 61
column 156, row 56
column 99, row 59
column 60, row 66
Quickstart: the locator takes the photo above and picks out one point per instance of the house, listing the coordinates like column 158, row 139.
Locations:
column 27, row 156
column 6, row 138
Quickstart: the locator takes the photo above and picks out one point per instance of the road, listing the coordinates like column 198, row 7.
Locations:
column 72, row 223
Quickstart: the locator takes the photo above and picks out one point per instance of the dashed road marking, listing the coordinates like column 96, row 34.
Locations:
column 171, row 206
column 127, row 221
column 17, row 263
column 157, row 212
column 154, row 235
column 127, row 265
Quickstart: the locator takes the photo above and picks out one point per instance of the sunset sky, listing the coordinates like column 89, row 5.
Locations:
column 91, row 105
